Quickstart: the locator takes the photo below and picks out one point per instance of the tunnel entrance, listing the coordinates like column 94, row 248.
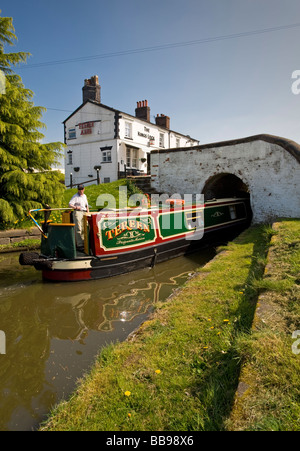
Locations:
column 225, row 185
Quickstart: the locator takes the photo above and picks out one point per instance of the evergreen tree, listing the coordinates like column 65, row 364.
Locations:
column 26, row 178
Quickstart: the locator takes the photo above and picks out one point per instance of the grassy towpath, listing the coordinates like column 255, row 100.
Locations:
column 180, row 371
column 268, row 398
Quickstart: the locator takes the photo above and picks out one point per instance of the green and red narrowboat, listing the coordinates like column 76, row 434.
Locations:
column 120, row 241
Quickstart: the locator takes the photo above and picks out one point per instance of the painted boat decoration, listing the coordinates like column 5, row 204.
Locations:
column 121, row 241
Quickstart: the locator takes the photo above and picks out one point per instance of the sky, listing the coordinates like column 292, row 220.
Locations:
column 220, row 69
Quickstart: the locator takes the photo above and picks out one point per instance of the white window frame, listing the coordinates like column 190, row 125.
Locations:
column 161, row 140
column 106, row 156
column 72, row 133
column 128, row 130
column 128, row 157
column 134, row 160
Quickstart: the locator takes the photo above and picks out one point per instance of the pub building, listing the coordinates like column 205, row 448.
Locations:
column 104, row 144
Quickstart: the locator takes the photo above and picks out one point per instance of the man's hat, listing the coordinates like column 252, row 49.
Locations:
column 80, row 187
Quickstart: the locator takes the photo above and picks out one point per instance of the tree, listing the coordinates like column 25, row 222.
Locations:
column 26, row 178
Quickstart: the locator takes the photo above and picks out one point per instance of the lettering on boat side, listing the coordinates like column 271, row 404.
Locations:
column 128, row 225
column 217, row 214
column 126, row 231
column 2, row 342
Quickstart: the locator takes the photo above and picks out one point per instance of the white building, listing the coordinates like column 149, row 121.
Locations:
column 108, row 144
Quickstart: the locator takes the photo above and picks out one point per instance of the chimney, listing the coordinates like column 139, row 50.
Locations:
column 91, row 89
column 163, row 121
column 142, row 110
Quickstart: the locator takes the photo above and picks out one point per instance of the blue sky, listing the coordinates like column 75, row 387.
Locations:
column 213, row 90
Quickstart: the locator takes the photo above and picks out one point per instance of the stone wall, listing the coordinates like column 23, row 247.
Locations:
column 8, row 237
column 267, row 165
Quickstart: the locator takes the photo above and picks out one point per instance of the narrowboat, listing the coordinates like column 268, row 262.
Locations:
column 118, row 241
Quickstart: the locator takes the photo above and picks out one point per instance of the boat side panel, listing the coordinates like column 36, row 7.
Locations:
column 222, row 223
column 125, row 262
column 111, row 234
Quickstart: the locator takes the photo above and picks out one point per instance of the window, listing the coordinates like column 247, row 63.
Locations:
column 70, row 157
column 128, row 130
column 131, row 157
column 134, row 158
column 177, row 142
column 106, row 180
column 106, row 156
column 161, row 140
column 194, row 219
column 128, row 159
column 72, row 133
column 232, row 210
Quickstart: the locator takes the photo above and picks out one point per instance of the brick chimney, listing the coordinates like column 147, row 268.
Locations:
column 91, row 89
column 142, row 110
column 163, row 121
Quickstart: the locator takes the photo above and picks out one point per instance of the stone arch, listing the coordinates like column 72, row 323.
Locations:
column 225, row 185
column 267, row 167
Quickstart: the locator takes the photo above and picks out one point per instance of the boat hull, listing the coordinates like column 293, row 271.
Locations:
column 119, row 242
column 102, row 267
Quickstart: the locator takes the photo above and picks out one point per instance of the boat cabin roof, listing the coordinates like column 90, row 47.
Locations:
column 168, row 206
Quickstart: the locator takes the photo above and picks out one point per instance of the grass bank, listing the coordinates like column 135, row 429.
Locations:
column 268, row 398
column 21, row 245
column 180, row 371
column 108, row 191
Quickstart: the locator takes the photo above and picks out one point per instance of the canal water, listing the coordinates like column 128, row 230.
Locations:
column 53, row 331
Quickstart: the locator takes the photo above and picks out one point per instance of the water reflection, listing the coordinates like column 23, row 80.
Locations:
column 54, row 331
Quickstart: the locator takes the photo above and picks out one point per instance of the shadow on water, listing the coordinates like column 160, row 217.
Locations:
column 54, row 331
